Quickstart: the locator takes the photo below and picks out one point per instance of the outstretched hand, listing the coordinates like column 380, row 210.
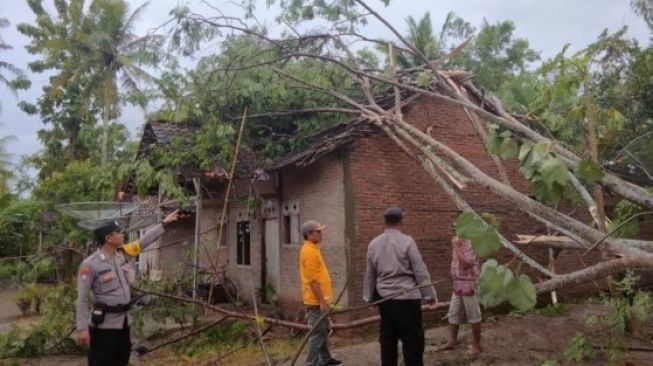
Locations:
column 172, row 217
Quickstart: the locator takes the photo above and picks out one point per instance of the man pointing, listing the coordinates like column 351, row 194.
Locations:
column 105, row 328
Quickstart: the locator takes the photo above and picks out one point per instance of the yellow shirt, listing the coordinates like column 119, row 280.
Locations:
column 312, row 268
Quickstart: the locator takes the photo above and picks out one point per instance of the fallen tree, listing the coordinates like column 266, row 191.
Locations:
column 450, row 170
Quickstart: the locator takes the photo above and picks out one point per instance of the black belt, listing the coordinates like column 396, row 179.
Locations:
column 118, row 308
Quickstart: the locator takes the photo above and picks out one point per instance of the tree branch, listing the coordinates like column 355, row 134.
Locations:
column 301, row 111
column 533, row 208
column 597, row 271
column 332, row 93
column 461, row 204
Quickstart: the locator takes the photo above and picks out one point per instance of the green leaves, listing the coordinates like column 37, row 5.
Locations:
column 501, row 143
column 498, row 284
column 580, row 348
column 424, row 78
column 493, row 142
column 548, row 175
column 553, row 170
column 145, row 176
column 508, row 149
column 521, row 293
column 468, row 225
column 486, row 243
column 484, row 238
column 493, row 282
column 589, row 172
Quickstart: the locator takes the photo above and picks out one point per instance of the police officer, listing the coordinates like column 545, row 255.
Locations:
column 106, row 328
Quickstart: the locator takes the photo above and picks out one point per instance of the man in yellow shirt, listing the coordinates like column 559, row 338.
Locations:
column 317, row 294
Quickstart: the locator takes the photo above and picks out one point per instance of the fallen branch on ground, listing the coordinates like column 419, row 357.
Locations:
column 244, row 345
column 142, row 350
column 259, row 334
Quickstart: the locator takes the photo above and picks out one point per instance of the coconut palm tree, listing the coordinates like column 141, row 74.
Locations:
column 98, row 47
column 18, row 81
column 431, row 44
column 118, row 56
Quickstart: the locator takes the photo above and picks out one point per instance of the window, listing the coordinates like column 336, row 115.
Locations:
column 290, row 223
column 242, row 243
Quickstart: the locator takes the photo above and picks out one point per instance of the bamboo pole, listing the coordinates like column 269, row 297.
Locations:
column 225, row 204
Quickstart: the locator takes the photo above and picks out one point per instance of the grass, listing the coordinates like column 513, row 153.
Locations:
column 553, row 311
column 278, row 349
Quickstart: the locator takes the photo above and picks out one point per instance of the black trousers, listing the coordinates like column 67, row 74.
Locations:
column 401, row 320
column 110, row 347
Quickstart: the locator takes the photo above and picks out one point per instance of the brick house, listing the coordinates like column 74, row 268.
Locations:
column 345, row 178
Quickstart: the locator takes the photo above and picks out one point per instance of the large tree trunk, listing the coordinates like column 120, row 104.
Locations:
column 458, row 200
column 537, row 210
column 597, row 271
column 594, row 157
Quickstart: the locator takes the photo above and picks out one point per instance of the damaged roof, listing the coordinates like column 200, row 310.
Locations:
column 332, row 138
column 161, row 133
column 326, row 141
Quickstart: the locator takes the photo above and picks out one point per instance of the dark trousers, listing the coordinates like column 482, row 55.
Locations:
column 110, row 347
column 401, row 320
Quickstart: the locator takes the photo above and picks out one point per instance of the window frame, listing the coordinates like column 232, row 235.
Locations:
column 290, row 209
column 243, row 217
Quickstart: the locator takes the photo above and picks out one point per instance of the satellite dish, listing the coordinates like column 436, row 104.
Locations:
column 100, row 210
column 130, row 222
column 92, row 215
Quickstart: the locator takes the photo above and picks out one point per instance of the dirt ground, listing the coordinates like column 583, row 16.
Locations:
column 508, row 339
column 9, row 312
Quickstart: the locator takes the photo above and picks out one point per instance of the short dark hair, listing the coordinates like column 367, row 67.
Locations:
column 393, row 215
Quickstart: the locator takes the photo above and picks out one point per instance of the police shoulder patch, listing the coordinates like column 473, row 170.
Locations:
column 85, row 273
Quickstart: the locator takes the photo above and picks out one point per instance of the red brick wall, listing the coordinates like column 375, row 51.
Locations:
column 382, row 175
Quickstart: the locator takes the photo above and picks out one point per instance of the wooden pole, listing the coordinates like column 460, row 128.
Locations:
column 225, row 204
column 198, row 221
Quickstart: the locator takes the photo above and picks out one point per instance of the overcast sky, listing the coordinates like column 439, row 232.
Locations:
column 547, row 24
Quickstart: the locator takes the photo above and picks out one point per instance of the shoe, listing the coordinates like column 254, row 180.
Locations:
column 333, row 362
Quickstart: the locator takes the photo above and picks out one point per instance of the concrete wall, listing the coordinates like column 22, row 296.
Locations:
column 320, row 191
column 176, row 249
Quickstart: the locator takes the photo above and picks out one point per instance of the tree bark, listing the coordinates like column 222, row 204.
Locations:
column 594, row 154
column 480, row 130
column 525, row 204
column 459, row 201
column 597, row 271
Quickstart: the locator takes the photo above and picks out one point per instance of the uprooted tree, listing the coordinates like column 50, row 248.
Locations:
column 555, row 171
